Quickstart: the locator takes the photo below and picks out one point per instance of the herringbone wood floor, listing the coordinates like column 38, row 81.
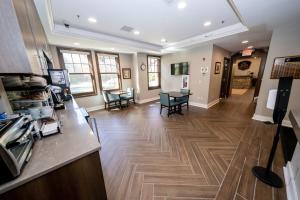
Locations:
column 204, row 154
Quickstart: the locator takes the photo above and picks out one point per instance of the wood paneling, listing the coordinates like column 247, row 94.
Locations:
column 80, row 180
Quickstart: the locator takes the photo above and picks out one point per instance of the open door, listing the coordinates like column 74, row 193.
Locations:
column 226, row 77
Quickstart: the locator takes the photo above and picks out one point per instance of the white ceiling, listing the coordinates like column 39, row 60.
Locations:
column 155, row 19
column 158, row 19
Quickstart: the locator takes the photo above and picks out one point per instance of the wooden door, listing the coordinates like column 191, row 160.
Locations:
column 226, row 76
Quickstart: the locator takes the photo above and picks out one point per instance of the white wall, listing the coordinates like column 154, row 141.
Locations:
column 4, row 103
column 285, row 42
column 199, row 83
column 215, row 79
column 254, row 67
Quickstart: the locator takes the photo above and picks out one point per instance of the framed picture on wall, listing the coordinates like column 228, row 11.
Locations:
column 185, row 82
column 126, row 72
column 218, row 68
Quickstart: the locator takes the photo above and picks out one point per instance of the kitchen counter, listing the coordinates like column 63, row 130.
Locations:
column 76, row 141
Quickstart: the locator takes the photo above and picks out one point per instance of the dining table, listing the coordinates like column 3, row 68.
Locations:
column 119, row 93
column 177, row 95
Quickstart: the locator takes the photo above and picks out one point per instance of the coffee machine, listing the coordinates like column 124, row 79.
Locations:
column 60, row 79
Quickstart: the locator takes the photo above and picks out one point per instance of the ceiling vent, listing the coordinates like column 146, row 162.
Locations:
column 169, row 2
column 127, row 29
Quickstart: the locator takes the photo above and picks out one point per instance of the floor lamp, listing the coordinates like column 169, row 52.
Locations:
column 278, row 101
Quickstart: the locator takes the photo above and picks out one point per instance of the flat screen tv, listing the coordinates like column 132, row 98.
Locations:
column 180, row 68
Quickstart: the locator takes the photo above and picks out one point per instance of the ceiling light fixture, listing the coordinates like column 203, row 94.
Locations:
column 92, row 20
column 245, row 42
column 164, row 40
column 136, row 32
column 76, row 43
column 181, row 4
column 250, row 47
column 208, row 23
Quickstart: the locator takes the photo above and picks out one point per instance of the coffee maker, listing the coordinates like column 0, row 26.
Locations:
column 60, row 79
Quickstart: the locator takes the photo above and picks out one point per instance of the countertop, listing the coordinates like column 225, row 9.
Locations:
column 294, row 116
column 76, row 141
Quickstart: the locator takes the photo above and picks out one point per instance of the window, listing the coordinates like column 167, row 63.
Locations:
column 79, row 65
column 109, row 69
column 153, row 72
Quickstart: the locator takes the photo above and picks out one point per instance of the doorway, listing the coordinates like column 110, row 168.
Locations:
column 243, row 74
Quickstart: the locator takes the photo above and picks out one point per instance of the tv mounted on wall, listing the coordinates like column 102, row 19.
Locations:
column 180, row 68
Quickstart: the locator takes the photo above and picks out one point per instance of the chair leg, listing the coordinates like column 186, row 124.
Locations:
column 160, row 108
column 133, row 100
column 187, row 105
column 169, row 111
column 108, row 106
column 105, row 105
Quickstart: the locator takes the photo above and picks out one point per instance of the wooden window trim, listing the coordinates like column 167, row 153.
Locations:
column 159, row 73
column 99, row 72
column 62, row 64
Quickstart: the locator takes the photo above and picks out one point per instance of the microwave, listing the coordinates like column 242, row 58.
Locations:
column 16, row 142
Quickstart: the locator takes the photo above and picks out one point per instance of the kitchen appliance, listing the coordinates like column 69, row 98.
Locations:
column 60, row 78
column 16, row 142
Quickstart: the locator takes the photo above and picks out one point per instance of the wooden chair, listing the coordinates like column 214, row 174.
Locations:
column 166, row 102
column 111, row 100
column 185, row 100
column 130, row 96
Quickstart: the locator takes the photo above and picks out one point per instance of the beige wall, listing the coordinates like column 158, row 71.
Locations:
column 126, row 61
column 285, row 42
column 254, row 67
column 218, row 55
column 141, row 84
column 199, row 83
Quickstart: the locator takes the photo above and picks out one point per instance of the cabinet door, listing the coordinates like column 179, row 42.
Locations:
column 28, row 37
column 38, row 32
column 13, row 54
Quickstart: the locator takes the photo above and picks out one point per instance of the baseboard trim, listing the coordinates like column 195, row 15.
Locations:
column 263, row 118
column 147, row 100
column 95, row 108
column 291, row 189
column 206, row 106
column 212, row 103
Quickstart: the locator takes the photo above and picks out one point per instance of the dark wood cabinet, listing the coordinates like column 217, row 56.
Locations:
column 23, row 40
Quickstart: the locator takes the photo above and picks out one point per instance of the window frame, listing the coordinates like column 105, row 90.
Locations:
column 92, row 72
column 99, row 71
column 159, row 73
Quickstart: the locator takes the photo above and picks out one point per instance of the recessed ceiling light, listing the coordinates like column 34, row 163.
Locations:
column 136, row 32
column 250, row 47
column 164, row 40
column 112, row 49
column 245, row 42
column 181, row 4
column 208, row 23
column 92, row 20
column 76, row 43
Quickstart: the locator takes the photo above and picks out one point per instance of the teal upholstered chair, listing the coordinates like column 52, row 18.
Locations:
column 185, row 100
column 129, row 96
column 111, row 100
column 165, row 102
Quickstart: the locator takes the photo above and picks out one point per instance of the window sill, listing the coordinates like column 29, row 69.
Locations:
column 154, row 88
column 84, row 95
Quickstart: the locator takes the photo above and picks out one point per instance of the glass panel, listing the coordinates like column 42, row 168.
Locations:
column 102, row 68
column 86, row 68
column 76, row 58
column 69, row 67
column 107, row 60
column 110, row 81
column 113, row 61
column 77, row 68
column 67, row 58
column 84, row 59
column 153, row 79
column 101, row 60
column 81, row 83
